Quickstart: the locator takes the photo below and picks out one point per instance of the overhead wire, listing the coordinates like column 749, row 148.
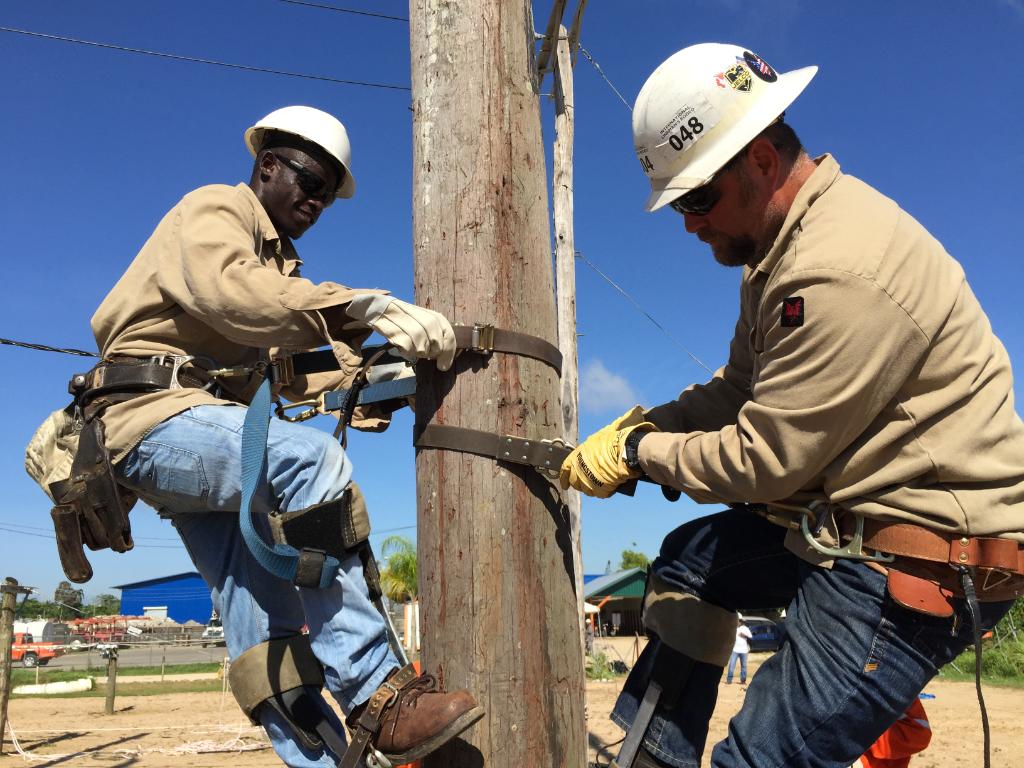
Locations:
column 644, row 312
column 600, row 71
column 45, row 348
column 197, row 60
column 325, row 7
column 40, row 533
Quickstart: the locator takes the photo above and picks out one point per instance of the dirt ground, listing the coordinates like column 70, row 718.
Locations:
column 207, row 729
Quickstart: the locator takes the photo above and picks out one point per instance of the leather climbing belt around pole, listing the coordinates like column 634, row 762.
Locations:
column 290, row 563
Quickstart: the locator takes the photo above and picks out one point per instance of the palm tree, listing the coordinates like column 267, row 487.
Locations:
column 398, row 578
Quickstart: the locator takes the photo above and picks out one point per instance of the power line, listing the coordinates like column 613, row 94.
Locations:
column 644, row 312
column 600, row 71
column 44, row 348
column 31, row 530
column 345, row 10
column 28, row 528
column 196, row 60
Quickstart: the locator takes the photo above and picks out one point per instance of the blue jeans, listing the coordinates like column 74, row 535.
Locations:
column 742, row 659
column 189, row 469
column 851, row 662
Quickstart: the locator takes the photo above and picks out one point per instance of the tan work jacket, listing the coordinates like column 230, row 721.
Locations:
column 215, row 280
column 863, row 372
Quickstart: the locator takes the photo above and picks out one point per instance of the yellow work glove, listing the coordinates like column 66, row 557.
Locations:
column 597, row 466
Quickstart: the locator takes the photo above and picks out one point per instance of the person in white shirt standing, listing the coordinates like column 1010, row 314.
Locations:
column 740, row 651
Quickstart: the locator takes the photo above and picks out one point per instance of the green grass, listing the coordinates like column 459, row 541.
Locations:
column 21, row 676
column 1002, row 664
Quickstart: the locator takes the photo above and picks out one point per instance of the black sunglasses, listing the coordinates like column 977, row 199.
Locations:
column 700, row 201
column 309, row 182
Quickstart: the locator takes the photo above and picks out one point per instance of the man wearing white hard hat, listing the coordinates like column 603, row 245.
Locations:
column 213, row 296
column 862, row 433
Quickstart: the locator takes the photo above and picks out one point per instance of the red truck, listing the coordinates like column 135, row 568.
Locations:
column 31, row 653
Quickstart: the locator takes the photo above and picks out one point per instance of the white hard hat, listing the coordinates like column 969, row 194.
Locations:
column 314, row 125
column 700, row 108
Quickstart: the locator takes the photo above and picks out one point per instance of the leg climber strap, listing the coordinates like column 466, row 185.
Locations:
column 368, row 723
column 668, row 677
column 283, row 674
column 635, row 737
column 407, row 718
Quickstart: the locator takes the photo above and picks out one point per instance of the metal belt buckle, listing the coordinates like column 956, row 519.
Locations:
column 852, row 551
column 282, row 371
column 547, row 470
column 176, row 362
column 482, row 339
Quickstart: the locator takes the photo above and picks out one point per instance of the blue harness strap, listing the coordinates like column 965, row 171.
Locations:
column 281, row 560
column 395, row 389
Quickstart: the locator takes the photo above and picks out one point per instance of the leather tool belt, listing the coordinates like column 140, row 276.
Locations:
column 925, row 575
column 89, row 506
column 91, row 509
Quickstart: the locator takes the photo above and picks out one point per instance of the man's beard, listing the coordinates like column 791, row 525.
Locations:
column 745, row 250
column 735, row 251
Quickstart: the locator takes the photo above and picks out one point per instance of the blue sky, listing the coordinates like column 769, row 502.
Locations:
column 919, row 99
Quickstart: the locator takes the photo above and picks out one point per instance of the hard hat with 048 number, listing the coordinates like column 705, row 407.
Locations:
column 314, row 125
column 700, row 108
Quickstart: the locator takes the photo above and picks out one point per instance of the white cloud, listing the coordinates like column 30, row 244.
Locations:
column 602, row 390
column 1015, row 5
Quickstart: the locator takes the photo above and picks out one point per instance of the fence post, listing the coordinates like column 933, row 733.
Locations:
column 111, row 680
column 10, row 591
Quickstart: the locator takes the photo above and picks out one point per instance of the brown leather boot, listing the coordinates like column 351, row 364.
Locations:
column 409, row 717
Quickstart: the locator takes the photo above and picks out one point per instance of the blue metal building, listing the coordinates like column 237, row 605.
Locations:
column 182, row 597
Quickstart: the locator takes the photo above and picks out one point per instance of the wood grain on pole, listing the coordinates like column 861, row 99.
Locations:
column 565, row 272
column 495, row 550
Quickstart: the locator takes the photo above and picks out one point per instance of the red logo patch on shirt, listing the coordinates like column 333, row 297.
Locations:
column 793, row 312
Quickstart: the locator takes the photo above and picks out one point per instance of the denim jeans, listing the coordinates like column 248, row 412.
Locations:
column 851, row 662
column 742, row 659
column 189, row 468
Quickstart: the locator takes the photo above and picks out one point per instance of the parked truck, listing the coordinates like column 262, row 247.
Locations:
column 31, row 653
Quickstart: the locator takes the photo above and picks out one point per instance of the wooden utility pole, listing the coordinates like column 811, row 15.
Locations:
column 565, row 268
column 496, row 559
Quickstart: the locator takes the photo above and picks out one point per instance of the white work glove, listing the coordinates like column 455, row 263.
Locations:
column 415, row 331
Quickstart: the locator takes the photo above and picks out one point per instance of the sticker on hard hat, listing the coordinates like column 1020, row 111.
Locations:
column 760, row 67
column 686, row 126
column 739, row 78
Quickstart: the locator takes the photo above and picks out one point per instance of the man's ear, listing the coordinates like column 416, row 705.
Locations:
column 267, row 164
column 767, row 163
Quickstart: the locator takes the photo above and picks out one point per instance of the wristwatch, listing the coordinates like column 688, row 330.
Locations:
column 631, row 449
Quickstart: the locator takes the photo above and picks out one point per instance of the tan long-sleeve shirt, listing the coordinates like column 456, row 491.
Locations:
column 863, row 372
column 215, row 280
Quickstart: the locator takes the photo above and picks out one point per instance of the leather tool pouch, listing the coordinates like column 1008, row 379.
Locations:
column 934, row 586
column 90, row 507
column 920, row 594
column 337, row 528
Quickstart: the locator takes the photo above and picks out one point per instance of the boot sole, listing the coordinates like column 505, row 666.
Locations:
column 455, row 727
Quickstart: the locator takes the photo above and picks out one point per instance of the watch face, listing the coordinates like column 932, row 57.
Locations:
column 632, row 456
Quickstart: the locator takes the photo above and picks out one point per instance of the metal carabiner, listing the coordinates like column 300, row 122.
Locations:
column 852, row 551
column 280, row 409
